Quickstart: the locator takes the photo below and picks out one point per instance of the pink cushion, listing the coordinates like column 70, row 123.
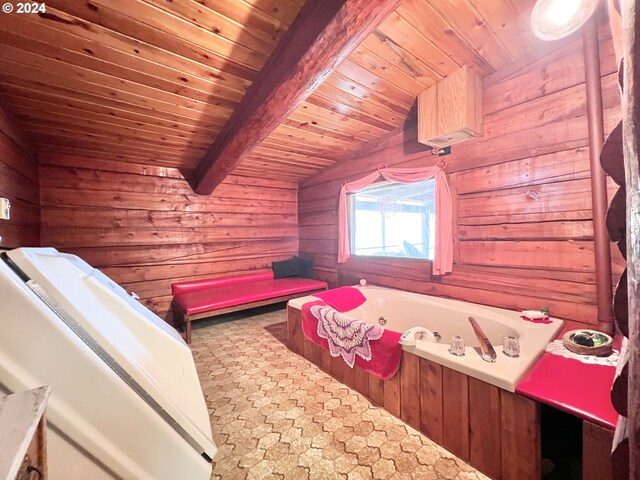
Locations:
column 229, row 295
column 195, row 285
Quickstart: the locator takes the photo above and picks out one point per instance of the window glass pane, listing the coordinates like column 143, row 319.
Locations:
column 394, row 220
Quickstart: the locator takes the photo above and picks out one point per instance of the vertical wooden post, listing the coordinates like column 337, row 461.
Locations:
column 631, row 149
column 604, row 293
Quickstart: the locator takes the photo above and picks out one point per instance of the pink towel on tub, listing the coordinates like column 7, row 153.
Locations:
column 354, row 340
column 545, row 320
column 342, row 299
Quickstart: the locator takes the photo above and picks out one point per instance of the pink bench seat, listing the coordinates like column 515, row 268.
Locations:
column 210, row 297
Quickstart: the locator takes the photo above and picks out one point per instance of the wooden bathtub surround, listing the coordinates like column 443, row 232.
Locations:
column 323, row 34
column 496, row 431
column 596, row 453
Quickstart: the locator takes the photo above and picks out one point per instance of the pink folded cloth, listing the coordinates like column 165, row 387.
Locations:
column 367, row 346
column 342, row 299
column 545, row 320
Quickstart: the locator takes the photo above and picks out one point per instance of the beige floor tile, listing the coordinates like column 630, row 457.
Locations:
column 251, row 458
column 345, row 463
column 334, row 450
column 447, row 468
column 364, row 429
column 276, row 416
column 297, row 473
column 411, row 443
column 383, row 469
column 427, row 455
column 361, row 472
column 262, row 470
column 424, row 472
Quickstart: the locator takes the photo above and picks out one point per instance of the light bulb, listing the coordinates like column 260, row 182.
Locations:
column 560, row 12
column 555, row 19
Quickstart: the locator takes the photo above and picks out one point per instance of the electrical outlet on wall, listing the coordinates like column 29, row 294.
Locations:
column 5, row 209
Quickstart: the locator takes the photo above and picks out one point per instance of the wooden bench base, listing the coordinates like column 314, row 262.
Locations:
column 183, row 321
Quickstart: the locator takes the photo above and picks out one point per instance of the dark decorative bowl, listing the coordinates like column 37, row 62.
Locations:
column 588, row 342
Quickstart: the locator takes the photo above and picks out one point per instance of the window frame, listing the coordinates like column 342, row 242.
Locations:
column 352, row 229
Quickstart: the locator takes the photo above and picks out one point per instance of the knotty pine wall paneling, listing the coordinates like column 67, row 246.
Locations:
column 523, row 226
column 145, row 228
column 19, row 183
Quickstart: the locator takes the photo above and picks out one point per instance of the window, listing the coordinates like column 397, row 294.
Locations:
column 394, row 220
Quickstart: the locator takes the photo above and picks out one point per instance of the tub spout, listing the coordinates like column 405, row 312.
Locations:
column 488, row 352
column 408, row 338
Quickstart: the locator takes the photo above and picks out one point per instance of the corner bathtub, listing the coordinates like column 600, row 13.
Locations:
column 465, row 404
column 404, row 310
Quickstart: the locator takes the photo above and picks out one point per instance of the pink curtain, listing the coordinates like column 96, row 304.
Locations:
column 443, row 258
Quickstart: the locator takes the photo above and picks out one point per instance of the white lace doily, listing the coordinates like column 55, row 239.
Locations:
column 557, row 348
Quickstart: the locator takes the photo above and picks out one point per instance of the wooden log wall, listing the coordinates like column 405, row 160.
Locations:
column 523, row 235
column 145, row 228
column 19, row 183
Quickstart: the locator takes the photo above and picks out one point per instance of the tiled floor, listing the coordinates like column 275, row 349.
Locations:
column 275, row 415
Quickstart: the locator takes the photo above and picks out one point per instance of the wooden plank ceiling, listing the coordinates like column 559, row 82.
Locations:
column 374, row 90
column 140, row 81
column 154, row 81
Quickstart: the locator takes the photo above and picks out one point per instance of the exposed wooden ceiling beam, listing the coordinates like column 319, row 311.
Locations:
column 321, row 36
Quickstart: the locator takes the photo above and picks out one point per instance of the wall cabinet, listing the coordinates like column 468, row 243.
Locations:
column 451, row 111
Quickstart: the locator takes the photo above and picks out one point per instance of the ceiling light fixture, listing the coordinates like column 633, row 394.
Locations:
column 556, row 19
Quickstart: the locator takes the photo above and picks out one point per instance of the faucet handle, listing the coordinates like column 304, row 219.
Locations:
column 457, row 346
column 511, row 347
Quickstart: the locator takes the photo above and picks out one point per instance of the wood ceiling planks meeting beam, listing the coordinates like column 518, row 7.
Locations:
column 321, row 36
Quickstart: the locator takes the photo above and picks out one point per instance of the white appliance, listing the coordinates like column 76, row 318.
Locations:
column 126, row 401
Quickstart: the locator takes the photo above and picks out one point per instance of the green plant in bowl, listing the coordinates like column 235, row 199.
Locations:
column 590, row 339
